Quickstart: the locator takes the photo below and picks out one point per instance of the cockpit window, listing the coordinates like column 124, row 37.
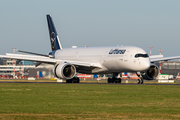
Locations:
column 141, row 55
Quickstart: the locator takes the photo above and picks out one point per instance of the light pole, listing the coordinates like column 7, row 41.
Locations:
column 160, row 50
column 150, row 49
column 14, row 49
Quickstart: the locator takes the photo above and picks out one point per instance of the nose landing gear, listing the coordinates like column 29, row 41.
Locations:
column 140, row 80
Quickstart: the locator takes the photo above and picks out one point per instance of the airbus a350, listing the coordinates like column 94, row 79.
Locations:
column 94, row 60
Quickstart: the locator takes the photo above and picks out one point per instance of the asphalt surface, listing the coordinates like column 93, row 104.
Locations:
column 81, row 83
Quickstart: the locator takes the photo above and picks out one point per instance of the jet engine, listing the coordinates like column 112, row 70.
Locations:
column 64, row 71
column 152, row 73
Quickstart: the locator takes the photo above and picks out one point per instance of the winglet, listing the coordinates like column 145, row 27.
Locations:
column 55, row 43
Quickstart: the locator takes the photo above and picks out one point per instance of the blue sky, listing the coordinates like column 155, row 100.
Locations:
column 91, row 22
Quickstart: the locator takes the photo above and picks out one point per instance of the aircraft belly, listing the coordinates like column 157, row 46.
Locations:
column 110, row 65
column 122, row 66
column 118, row 66
column 91, row 70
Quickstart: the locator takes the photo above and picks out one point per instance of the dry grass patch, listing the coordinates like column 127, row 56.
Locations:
column 123, row 116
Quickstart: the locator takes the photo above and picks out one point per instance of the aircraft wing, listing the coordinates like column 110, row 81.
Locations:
column 156, row 59
column 43, row 59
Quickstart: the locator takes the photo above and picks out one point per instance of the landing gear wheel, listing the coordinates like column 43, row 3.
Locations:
column 73, row 80
column 138, row 82
column 119, row 80
column 142, row 80
column 109, row 80
column 69, row 81
column 114, row 80
column 76, row 80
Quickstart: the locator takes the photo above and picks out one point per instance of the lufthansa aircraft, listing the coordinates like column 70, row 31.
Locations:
column 94, row 60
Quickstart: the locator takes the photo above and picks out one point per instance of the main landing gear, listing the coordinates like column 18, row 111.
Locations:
column 114, row 79
column 73, row 80
column 140, row 80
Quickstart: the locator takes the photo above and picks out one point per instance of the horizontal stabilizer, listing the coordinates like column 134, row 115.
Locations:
column 32, row 53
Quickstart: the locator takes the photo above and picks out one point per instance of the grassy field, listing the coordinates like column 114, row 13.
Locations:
column 88, row 101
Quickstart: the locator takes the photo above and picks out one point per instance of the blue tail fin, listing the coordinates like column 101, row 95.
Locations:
column 55, row 43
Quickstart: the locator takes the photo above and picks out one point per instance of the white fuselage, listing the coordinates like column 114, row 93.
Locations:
column 112, row 59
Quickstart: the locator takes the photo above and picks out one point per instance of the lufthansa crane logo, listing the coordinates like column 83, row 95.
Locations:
column 53, row 37
column 117, row 51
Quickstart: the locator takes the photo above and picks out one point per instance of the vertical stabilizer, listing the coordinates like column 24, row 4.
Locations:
column 55, row 43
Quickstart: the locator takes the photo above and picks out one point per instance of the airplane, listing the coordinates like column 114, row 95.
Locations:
column 93, row 60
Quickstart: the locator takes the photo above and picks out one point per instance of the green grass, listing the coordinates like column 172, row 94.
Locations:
column 88, row 101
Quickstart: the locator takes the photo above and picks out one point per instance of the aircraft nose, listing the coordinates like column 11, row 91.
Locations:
column 146, row 64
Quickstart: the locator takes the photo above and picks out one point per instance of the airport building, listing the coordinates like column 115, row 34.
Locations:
column 170, row 67
column 24, row 69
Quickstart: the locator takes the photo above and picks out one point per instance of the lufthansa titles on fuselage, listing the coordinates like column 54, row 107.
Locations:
column 117, row 51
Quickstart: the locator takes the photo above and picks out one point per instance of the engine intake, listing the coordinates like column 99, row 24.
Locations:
column 64, row 71
column 152, row 73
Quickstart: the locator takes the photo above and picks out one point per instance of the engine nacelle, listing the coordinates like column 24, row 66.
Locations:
column 152, row 73
column 64, row 71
